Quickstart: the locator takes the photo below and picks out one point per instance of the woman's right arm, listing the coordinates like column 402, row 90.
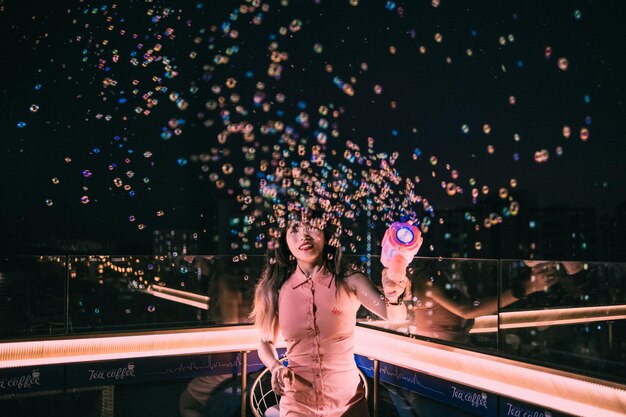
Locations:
column 269, row 357
column 267, row 350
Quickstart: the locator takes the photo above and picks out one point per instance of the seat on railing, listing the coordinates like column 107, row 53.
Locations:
column 264, row 401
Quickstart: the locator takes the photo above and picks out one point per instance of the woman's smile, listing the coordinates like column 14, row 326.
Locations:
column 305, row 242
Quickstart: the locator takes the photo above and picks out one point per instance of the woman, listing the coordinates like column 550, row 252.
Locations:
column 308, row 295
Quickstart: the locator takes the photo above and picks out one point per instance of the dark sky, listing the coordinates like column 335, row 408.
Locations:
column 73, row 127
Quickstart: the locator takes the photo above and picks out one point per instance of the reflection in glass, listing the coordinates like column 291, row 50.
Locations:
column 109, row 293
column 578, row 325
column 449, row 294
column 230, row 292
column 32, row 296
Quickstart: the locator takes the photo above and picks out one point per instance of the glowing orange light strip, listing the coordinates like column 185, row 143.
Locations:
column 551, row 317
column 220, row 339
column 183, row 297
column 569, row 393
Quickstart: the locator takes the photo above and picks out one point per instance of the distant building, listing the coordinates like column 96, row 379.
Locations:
column 548, row 233
column 177, row 242
column 612, row 235
column 559, row 233
column 233, row 234
column 454, row 235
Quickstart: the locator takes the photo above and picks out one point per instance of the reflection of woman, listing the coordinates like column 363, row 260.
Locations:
column 229, row 300
column 447, row 311
column 307, row 294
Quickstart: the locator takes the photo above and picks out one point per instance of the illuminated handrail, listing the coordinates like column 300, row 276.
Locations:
column 179, row 296
column 553, row 389
column 129, row 345
column 549, row 317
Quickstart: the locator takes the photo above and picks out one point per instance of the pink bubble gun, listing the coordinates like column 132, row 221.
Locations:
column 400, row 244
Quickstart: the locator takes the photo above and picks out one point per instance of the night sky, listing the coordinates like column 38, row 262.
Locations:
column 113, row 112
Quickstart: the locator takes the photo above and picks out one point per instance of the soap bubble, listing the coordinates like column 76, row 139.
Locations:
column 584, row 134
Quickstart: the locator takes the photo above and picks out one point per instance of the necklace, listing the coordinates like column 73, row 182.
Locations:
column 308, row 276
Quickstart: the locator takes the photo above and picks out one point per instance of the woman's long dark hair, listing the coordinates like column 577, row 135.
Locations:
column 279, row 265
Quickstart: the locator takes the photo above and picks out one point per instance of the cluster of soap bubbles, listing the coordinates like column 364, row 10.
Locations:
column 272, row 139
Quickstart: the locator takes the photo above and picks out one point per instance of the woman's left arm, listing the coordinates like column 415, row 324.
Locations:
column 374, row 300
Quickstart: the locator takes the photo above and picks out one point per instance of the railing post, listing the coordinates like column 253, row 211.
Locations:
column 499, row 289
column 376, row 379
column 244, row 383
column 107, row 401
column 67, row 321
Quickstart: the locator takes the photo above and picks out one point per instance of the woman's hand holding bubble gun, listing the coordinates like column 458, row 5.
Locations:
column 400, row 245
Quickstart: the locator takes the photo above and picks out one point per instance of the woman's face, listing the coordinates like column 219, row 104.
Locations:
column 305, row 242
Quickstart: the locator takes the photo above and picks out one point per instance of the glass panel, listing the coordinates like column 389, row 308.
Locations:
column 577, row 322
column 32, row 296
column 573, row 322
column 114, row 293
column 447, row 295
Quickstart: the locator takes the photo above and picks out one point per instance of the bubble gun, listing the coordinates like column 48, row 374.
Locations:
column 400, row 244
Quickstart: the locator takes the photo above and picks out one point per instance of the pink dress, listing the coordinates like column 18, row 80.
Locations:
column 317, row 323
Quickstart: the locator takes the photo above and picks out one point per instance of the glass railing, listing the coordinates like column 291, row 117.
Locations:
column 33, row 296
column 570, row 316
column 578, row 324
